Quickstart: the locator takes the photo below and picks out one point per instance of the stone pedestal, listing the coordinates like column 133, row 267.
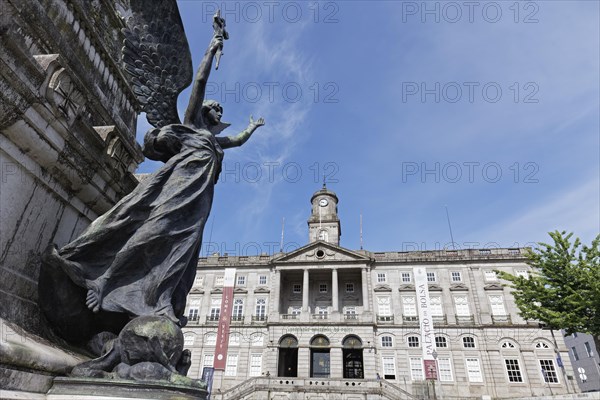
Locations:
column 104, row 389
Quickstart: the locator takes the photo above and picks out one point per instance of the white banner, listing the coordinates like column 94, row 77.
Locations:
column 425, row 319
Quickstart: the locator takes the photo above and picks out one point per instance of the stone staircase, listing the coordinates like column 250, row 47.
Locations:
column 262, row 388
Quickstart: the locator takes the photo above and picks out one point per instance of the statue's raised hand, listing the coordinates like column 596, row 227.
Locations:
column 216, row 43
column 255, row 124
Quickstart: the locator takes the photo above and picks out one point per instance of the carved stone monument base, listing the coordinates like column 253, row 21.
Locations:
column 102, row 389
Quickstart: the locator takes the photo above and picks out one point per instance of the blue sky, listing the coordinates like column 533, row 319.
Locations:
column 488, row 108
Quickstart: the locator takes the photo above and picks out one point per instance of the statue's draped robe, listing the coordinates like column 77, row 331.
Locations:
column 143, row 253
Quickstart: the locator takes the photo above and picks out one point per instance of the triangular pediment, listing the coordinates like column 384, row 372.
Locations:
column 459, row 286
column 261, row 289
column 321, row 251
column 382, row 288
column 494, row 286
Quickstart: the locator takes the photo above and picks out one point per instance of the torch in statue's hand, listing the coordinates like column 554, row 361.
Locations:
column 219, row 31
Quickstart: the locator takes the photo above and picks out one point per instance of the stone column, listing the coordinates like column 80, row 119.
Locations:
column 334, row 290
column 305, row 289
column 365, row 289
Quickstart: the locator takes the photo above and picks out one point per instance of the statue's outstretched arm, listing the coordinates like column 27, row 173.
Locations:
column 193, row 114
column 234, row 141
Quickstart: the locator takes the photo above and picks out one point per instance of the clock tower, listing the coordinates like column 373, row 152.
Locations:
column 324, row 223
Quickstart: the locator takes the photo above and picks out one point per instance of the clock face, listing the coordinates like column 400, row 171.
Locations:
column 323, row 202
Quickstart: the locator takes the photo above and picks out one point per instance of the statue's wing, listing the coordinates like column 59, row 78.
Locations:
column 157, row 58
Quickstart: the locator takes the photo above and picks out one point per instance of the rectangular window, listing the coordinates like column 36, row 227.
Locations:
column 262, row 280
column 461, row 303
column 548, row 371
column 296, row 310
column 193, row 314
column 234, row 339
column 490, row 276
column 588, row 349
column 257, row 339
column 238, row 310
column 255, row 364
column 406, row 278
column 349, row 287
column 297, row 288
column 445, row 367
column 522, row 272
column 416, row 369
column 383, row 306
column 473, row 370
column 409, row 306
column 350, row 311
column 381, row 277
column 322, row 288
column 575, row 355
column 321, row 310
column 456, row 276
column 389, row 367
column 386, row 341
column 431, row 277
column 208, row 360
column 188, row 340
column 215, row 309
column 231, row 365
column 261, row 309
column 219, row 280
column 241, row 280
column 210, row 339
column 435, row 306
column 513, row 370
column 497, row 304
column 199, row 281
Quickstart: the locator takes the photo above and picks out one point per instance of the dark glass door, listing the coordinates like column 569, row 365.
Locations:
column 319, row 363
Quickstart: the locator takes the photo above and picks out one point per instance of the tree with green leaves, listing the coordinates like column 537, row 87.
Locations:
column 563, row 290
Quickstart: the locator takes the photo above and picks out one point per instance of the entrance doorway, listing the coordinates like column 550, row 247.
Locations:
column 288, row 357
column 319, row 357
column 353, row 358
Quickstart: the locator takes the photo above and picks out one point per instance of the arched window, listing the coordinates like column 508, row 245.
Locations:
column 413, row 341
column 353, row 357
column 319, row 357
column 507, row 344
column 441, row 342
column 542, row 345
column 288, row 357
column 468, row 342
column 319, row 341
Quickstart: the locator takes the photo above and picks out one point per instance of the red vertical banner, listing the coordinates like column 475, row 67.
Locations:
column 224, row 319
column 430, row 370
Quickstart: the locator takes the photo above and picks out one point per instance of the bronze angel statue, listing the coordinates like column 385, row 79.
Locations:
column 139, row 258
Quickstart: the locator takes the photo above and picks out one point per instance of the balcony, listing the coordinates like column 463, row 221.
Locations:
column 465, row 320
column 410, row 320
column 501, row 319
column 237, row 319
column 350, row 317
column 320, row 316
column 290, row 316
column 212, row 319
column 385, row 319
column 439, row 320
column 259, row 319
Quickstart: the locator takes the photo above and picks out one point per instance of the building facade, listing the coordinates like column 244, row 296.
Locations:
column 326, row 322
